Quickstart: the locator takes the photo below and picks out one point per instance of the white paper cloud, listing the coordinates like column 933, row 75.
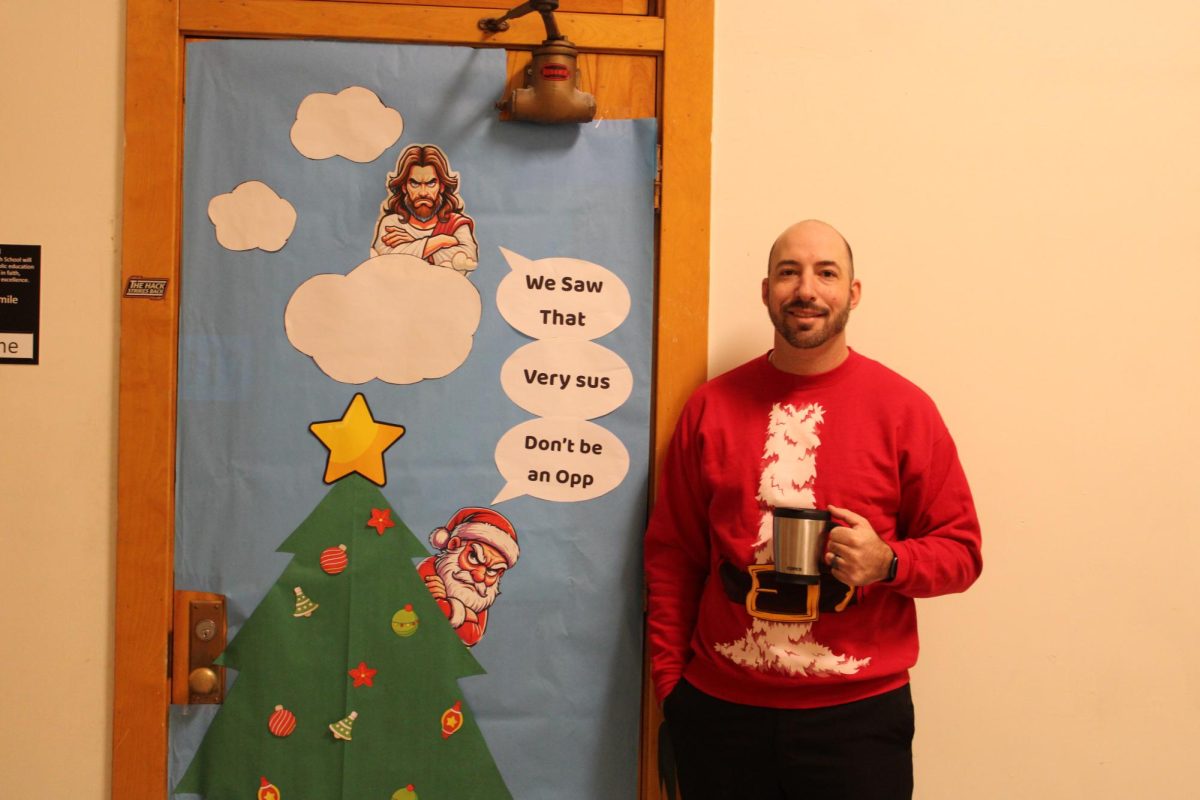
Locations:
column 393, row 317
column 251, row 216
column 353, row 124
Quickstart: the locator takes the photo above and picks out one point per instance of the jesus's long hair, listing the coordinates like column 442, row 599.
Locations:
column 423, row 155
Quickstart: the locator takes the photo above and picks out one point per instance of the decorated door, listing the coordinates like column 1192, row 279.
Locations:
column 412, row 371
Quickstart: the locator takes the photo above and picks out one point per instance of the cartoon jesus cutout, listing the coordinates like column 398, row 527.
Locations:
column 423, row 214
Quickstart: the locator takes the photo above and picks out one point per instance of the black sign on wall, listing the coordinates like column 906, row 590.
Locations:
column 20, row 301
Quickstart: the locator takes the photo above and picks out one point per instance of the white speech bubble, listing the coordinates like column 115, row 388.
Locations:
column 561, row 298
column 566, row 378
column 559, row 459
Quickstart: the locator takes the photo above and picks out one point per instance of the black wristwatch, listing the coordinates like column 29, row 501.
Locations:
column 891, row 576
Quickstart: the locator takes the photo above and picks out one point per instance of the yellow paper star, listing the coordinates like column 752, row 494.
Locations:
column 356, row 443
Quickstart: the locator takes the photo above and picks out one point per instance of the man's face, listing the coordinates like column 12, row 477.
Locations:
column 422, row 190
column 809, row 289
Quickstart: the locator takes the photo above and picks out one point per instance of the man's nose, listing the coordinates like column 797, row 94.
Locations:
column 806, row 286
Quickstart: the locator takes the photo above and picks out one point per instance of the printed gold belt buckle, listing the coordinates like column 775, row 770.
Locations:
column 769, row 598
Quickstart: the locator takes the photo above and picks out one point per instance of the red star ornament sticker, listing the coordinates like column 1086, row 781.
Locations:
column 381, row 520
column 363, row 675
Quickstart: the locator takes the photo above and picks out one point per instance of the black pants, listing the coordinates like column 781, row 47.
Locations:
column 727, row 751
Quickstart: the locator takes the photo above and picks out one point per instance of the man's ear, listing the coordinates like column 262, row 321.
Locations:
column 454, row 543
column 765, row 284
column 855, row 293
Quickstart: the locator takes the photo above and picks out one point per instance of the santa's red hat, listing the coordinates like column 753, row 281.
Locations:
column 480, row 525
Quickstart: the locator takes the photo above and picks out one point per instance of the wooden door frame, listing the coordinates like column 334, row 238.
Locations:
column 679, row 34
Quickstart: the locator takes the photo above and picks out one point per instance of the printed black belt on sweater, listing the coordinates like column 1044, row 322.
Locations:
column 767, row 597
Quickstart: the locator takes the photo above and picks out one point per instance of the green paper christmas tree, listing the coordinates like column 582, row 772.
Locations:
column 355, row 649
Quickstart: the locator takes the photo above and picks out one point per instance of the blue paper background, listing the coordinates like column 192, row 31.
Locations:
column 559, row 705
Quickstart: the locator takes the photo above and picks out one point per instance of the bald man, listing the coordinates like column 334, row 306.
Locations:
column 773, row 688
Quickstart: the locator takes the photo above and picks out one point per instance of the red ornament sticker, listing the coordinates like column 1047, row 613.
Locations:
column 282, row 723
column 267, row 790
column 452, row 720
column 381, row 520
column 556, row 72
column 334, row 559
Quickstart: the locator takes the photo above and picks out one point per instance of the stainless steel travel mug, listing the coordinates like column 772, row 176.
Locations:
column 799, row 540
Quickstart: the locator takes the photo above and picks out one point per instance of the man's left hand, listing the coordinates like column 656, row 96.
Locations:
column 856, row 554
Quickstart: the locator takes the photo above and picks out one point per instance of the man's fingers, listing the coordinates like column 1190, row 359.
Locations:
column 853, row 519
column 846, row 570
column 841, row 536
column 839, row 551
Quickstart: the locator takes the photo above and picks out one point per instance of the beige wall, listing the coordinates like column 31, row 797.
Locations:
column 1021, row 184
column 60, row 104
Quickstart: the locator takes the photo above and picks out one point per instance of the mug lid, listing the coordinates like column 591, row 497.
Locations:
column 802, row 513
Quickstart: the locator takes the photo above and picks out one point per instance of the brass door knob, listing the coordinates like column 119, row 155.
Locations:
column 203, row 681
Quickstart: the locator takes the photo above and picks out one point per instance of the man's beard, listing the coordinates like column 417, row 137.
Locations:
column 431, row 209
column 807, row 340
column 459, row 585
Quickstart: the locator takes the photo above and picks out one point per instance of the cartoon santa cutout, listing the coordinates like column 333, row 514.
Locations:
column 475, row 548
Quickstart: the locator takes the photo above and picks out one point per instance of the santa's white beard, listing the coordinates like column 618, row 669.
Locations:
column 461, row 591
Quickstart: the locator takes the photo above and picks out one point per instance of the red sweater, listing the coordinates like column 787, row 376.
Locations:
column 860, row 437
